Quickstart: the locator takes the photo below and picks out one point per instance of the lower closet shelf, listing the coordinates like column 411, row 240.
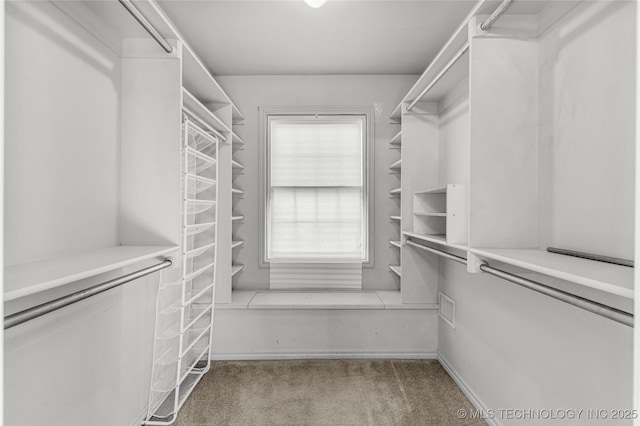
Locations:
column 607, row 277
column 30, row 278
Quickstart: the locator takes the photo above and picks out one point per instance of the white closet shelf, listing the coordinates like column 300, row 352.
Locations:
column 236, row 268
column 396, row 114
column 397, row 269
column 396, row 191
column 237, row 139
column 236, row 165
column 431, row 214
column 435, row 238
column 191, row 103
column 395, row 243
column 234, row 218
column 607, row 277
column 34, row 277
column 396, row 166
column 433, row 191
column 237, row 243
column 237, row 191
column 397, row 139
column 395, row 218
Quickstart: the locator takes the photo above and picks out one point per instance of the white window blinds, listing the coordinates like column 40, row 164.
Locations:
column 316, row 200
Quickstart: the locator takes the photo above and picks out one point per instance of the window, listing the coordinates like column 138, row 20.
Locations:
column 316, row 188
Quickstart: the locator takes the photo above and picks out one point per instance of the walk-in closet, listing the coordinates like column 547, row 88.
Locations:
column 320, row 212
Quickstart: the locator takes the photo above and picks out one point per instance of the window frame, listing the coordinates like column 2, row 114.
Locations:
column 367, row 113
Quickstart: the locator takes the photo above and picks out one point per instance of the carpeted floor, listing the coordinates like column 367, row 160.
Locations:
column 328, row 392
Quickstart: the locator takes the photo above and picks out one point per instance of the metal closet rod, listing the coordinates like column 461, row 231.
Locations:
column 577, row 301
column 484, row 27
column 45, row 308
column 133, row 10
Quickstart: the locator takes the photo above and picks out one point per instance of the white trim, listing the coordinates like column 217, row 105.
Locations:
column 469, row 393
column 327, row 355
column 369, row 170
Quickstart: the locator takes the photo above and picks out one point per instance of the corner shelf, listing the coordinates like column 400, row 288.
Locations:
column 236, row 268
column 397, row 269
column 441, row 211
column 397, row 244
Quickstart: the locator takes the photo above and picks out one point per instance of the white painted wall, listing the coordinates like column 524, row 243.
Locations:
column 514, row 348
column 61, row 135
column 86, row 364
column 383, row 92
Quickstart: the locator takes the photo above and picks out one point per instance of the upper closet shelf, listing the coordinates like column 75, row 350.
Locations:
column 236, row 165
column 34, row 277
column 196, row 76
column 192, row 104
column 396, row 114
column 607, row 277
column 396, row 166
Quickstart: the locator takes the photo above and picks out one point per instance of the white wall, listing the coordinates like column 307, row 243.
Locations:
column 382, row 92
column 61, row 135
column 518, row 349
column 86, row 364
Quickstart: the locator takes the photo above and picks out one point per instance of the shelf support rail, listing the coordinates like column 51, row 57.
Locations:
column 59, row 303
column 495, row 15
column 146, row 25
column 577, row 301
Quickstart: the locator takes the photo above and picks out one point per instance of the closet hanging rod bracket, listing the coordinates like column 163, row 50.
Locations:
column 144, row 22
column 59, row 303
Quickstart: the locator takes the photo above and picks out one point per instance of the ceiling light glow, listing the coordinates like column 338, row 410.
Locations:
column 315, row 3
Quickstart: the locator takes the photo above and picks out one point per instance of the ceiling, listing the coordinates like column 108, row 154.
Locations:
column 285, row 37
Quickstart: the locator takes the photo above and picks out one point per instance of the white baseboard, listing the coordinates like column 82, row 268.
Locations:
column 320, row 355
column 469, row 393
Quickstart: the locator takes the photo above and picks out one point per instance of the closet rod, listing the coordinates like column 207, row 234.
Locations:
column 202, row 123
column 444, row 48
column 495, row 15
column 439, row 252
column 446, row 68
column 146, row 25
column 577, row 301
column 45, row 308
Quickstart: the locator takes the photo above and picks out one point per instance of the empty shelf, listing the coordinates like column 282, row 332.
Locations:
column 33, row 277
column 235, row 244
column 396, row 191
column 607, row 277
column 395, row 218
column 434, row 238
column 240, row 217
column 237, row 191
column 397, row 139
column 237, row 139
column 396, row 114
column 192, row 104
column 396, row 166
column 397, row 269
column 395, row 243
column 236, row 268
column 236, row 165
column 433, row 191
column 433, row 214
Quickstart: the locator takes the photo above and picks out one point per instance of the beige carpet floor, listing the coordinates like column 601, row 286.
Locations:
column 327, row 392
